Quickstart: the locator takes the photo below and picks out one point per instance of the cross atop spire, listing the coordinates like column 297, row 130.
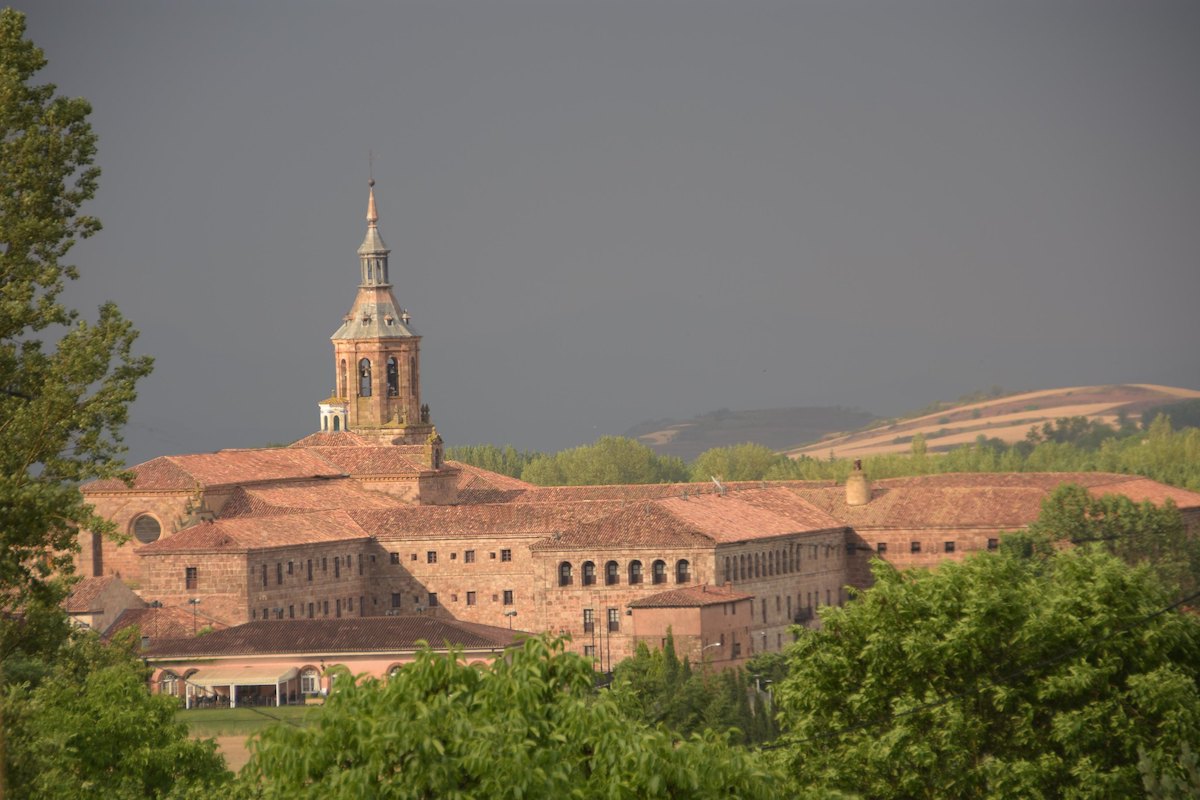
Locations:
column 372, row 214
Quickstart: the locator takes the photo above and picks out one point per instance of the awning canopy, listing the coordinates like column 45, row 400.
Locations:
column 245, row 676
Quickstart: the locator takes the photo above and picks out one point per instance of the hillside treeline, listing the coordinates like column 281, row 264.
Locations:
column 1072, row 444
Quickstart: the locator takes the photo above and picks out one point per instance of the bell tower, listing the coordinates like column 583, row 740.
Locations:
column 377, row 354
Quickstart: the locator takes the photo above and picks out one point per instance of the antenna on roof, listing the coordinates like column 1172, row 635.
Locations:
column 720, row 488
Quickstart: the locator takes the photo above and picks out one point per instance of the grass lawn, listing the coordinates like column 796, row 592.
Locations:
column 245, row 721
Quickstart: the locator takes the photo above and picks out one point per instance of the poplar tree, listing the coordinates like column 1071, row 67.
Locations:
column 65, row 383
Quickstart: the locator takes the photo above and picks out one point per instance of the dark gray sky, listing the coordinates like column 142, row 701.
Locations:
column 605, row 212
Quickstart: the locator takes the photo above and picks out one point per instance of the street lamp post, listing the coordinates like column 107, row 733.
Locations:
column 510, row 614
column 195, row 601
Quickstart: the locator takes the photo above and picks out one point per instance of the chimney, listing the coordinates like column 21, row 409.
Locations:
column 858, row 489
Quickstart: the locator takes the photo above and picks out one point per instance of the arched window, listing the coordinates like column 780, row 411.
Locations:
column 589, row 573
column 564, row 573
column 342, row 379
column 393, row 377
column 364, row 378
column 742, row 568
column 412, row 375
column 310, row 681
column 635, row 572
column 168, row 683
column 146, row 529
column 681, row 570
column 770, row 563
column 612, row 574
column 658, row 571
column 337, row 422
column 728, row 571
column 757, row 566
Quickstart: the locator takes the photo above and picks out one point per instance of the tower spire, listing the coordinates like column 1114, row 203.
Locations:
column 372, row 214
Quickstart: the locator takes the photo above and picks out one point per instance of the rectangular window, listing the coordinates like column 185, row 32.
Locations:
column 290, row 572
column 266, row 615
column 413, row 557
column 508, row 597
column 394, row 558
column 589, row 620
column 337, row 567
column 915, row 547
column 350, row 604
column 433, row 599
column 311, row 612
column 948, row 547
column 278, row 573
column 431, row 557
column 362, row 606
column 264, row 575
column 468, row 556
column 778, row 604
column 310, row 569
column 470, row 598
column 993, row 544
column 506, row 555
column 764, row 609
column 614, row 620
column 395, row 599
column 589, row 651
column 291, row 612
column 881, row 547
column 827, row 597
column 338, row 608
column 189, row 578
column 360, row 564
column 324, row 564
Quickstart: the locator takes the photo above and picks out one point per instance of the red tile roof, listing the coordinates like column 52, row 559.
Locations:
column 162, row 623
column 85, row 594
column 982, row 500
column 339, row 439
column 691, row 597
column 301, row 496
column 240, row 534
column 375, row 460
column 431, row 522
column 223, row 468
column 329, row 637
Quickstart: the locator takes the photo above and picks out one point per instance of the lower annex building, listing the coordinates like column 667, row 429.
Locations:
column 366, row 518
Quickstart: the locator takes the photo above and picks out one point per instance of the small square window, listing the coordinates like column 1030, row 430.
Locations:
column 454, row 555
column 492, row 556
column 915, row 547
column 993, row 544
column 433, row 600
column 881, row 547
column 468, row 556
column 506, row 555
column 394, row 558
column 431, row 557
column 948, row 547
column 413, row 558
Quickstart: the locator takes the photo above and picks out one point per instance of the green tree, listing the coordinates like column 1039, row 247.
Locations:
column 741, row 462
column 609, row 460
column 506, row 461
column 530, row 725
column 62, row 403
column 87, row 728
column 1138, row 533
column 1000, row 676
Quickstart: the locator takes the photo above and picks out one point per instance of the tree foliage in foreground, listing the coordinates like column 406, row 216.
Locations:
column 62, row 402
column 1001, row 676
column 530, row 725
column 85, row 726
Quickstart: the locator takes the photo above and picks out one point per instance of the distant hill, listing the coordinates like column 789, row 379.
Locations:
column 776, row 428
column 1007, row 418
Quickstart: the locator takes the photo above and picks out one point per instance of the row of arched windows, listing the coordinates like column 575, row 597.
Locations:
column 633, row 573
column 782, row 561
column 393, row 377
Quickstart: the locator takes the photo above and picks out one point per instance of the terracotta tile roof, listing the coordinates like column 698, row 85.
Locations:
column 223, row 468
column 981, row 500
column 699, row 521
column 476, row 485
column 375, row 460
column 329, row 637
column 430, row 522
column 162, row 623
column 86, row 593
column 301, row 496
column 339, row 439
column 691, row 597
column 240, row 534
